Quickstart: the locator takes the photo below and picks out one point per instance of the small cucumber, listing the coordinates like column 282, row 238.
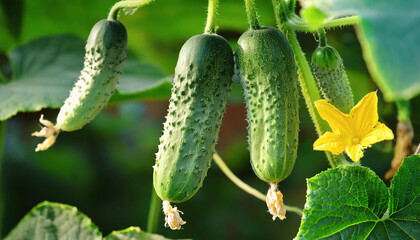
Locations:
column 331, row 77
column 269, row 80
column 106, row 51
column 202, row 82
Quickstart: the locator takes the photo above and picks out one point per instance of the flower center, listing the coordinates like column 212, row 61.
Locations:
column 355, row 140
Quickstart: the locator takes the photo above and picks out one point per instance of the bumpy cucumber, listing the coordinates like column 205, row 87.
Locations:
column 106, row 51
column 331, row 77
column 201, row 86
column 269, row 80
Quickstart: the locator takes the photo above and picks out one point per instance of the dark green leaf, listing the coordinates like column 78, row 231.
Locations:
column 340, row 198
column 54, row 221
column 351, row 202
column 404, row 204
column 389, row 36
column 133, row 233
column 44, row 71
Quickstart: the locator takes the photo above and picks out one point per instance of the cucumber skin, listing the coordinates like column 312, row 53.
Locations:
column 106, row 52
column 202, row 83
column 269, row 80
column 331, row 77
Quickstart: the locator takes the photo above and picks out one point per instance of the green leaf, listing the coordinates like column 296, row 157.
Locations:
column 54, row 221
column 389, row 36
column 351, row 202
column 133, row 233
column 313, row 17
column 45, row 70
column 404, row 203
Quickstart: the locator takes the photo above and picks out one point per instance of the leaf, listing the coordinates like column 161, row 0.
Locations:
column 351, row 202
column 45, row 70
column 389, row 36
column 133, row 233
column 50, row 220
column 313, row 17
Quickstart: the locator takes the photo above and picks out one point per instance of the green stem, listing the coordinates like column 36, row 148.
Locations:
column 296, row 23
column 340, row 22
column 292, row 5
column 154, row 212
column 2, row 135
column 404, row 110
column 310, row 90
column 225, row 169
column 322, row 38
column 252, row 15
column 113, row 14
column 211, row 17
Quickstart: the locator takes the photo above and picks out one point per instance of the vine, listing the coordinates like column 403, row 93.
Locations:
column 252, row 15
column 248, row 189
column 154, row 212
column 211, row 17
column 113, row 14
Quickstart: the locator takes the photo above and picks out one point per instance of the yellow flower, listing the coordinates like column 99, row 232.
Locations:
column 352, row 132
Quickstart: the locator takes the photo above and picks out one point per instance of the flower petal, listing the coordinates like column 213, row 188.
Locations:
column 338, row 121
column 332, row 142
column 355, row 152
column 365, row 114
column 379, row 133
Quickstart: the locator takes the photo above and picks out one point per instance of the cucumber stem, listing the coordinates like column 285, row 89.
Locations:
column 248, row 189
column 211, row 17
column 252, row 14
column 309, row 88
column 154, row 212
column 404, row 110
column 113, row 14
column 322, row 38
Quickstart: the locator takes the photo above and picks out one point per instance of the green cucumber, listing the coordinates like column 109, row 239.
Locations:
column 331, row 77
column 269, row 80
column 106, row 52
column 202, row 82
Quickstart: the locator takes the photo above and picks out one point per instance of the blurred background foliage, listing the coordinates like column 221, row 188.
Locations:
column 105, row 169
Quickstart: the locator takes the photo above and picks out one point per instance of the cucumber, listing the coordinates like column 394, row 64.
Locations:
column 106, row 52
column 202, row 82
column 331, row 77
column 268, row 76
column 269, row 80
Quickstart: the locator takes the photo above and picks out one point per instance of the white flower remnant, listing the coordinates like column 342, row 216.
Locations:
column 275, row 204
column 50, row 132
column 172, row 217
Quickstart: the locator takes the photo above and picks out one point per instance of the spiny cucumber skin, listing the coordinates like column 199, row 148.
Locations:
column 106, row 52
column 331, row 77
column 200, row 91
column 269, row 80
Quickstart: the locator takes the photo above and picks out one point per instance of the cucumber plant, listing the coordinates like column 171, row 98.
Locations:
column 201, row 85
column 268, row 62
column 106, row 52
